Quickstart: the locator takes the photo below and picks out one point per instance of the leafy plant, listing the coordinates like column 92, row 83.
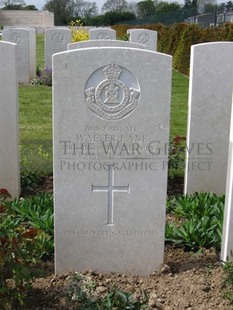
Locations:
column 227, row 284
column 44, row 77
column 77, row 33
column 197, row 222
column 36, row 211
column 117, row 299
column 18, row 249
column 4, row 195
column 176, row 155
column 82, row 292
column 198, row 205
column 24, row 240
column 30, row 179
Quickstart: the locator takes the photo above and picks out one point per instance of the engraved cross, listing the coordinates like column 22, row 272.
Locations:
column 110, row 189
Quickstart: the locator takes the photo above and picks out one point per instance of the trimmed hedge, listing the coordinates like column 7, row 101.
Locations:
column 177, row 39
column 191, row 35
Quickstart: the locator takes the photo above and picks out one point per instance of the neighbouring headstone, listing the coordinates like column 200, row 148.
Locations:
column 111, row 133
column 210, row 97
column 227, row 236
column 26, row 51
column 102, row 34
column 32, row 53
column 40, row 30
column 56, row 40
column 145, row 37
column 101, row 43
column 9, row 146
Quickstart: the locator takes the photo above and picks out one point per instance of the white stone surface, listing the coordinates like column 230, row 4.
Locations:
column 26, row 18
column 32, row 53
column 227, row 237
column 144, row 36
column 24, row 58
column 101, row 43
column 56, row 40
column 210, row 97
column 40, row 30
column 102, row 34
column 9, row 146
column 115, row 113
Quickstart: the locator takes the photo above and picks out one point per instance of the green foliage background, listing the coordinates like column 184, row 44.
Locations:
column 177, row 39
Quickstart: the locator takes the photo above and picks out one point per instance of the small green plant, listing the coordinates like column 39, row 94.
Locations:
column 18, row 250
column 77, row 33
column 4, row 195
column 82, row 292
column 24, row 240
column 41, row 152
column 36, row 210
column 117, row 299
column 176, row 155
column 227, row 284
column 30, row 179
column 125, row 37
column 44, row 77
column 197, row 222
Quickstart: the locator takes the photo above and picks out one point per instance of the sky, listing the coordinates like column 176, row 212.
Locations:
column 40, row 3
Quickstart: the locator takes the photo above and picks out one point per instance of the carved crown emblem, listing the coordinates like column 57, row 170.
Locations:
column 112, row 98
column 112, row 71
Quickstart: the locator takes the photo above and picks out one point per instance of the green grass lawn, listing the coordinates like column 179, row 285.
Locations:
column 36, row 118
column 40, row 50
column 179, row 104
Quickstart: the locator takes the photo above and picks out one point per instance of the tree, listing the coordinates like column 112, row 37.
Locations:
column 146, row 8
column 203, row 4
column 90, row 10
column 112, row 18
column 84, row 9
column 229, row 5
column 195, row 7
column 114, row 5
column 167, row 7
column 209, row 8
column 9, row 3
column 190, row 8
column 132, row 7
column 61, row 9
column 30, row 7
column 67, row 10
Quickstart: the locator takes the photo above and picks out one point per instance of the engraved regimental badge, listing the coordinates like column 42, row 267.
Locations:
column 143, row 38
column 57, row 38
column 113, row 97
column 103, row 36
column 15, row 37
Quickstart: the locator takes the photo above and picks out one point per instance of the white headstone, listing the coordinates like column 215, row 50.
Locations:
column 26, row 51
column 145, row 37
column 102, row 34
column 40, row 30
column 111, row 129
column 9, row 146
column 32, row 52
column 56, row 40
column 210, row 97
column 101, row 43
column 227, row 237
